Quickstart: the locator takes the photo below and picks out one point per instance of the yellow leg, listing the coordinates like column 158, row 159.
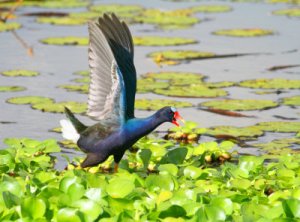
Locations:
column 116, row 167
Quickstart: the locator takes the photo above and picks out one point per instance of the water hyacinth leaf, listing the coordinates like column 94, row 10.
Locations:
column 19, row 72
column 250, row 163
column 66, row 40
column 191, row 91
column 155, row 104
column 181, row 54
column 82, row 80
column 169, row 168
column 290, row 12
column 225, row 203
column 276, row 83
column 211, row 8
column 82, row 73
column 173, row 211
column 145, row 155
column 61, row 20
column 33, row 207
column 240, row 104
column 91, row 209
column 75, row 191
column 291, row 208
column 29, row 100
column 11, row 88
column 192, row 172
column 161, row 41
column 4, row 27
column 252, row 32
column 68, row 215
column 120, row 187
column 285, row 127
column 175, row 156
column 159, row 182
column 210, row 213
column 291, row 101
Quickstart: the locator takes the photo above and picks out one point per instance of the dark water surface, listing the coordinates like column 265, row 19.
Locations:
column 57, row 63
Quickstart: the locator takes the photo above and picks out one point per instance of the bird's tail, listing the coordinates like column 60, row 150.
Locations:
column 71, row 127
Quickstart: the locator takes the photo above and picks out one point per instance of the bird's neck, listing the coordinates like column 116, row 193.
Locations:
column 143, row 126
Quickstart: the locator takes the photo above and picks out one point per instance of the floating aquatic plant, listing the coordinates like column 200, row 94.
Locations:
column 11, row 88
column 180, row 76
column 155, row 104
column 118, row 9
column 19, row 72
column 61, row 20
column 251, row 32
column 211, row 8
column 291, row 12
column 193, row 91
column 76, row 88
column 146, row 85
column 29, row 100
column 4, row 27
column 240, row 132
column 291, row 101
column 181, row 54
column 283, row 126
column 240, row 104
column 276, row 83
column 67, row 40
column 162, row 41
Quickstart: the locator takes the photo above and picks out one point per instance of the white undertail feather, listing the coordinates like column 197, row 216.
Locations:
column 68, row 130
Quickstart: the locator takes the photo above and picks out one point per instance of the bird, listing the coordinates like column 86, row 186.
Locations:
column 111, row 97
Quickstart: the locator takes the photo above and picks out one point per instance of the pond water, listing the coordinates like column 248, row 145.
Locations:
column 56, row 64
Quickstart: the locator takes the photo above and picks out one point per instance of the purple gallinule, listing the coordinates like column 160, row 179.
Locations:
column 111, row 97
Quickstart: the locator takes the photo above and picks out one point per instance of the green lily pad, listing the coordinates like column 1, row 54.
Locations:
column 155, row 104
column 284, row 127
column 162, row 41
column 61, row 20
column 4, row 27
column 278, row 144
column 84, row 15
column 49, row 3
column 67, row 40
column 76, row 107
column 76, row 88
column 175, row 76
column 118, row 9
column 292, row 101
column 166, row 19
column 146, row 85
column 85, row 79
column 240, row 104
column 291, row 12
column 211, row 8
column 19, row 72
column 181, row 54
column 83, row 73
column 277, row 83
column 250, row 131
column 254, row 32
column 192, row 91
column 223, row 84
column 11, row 88
column 29, row 100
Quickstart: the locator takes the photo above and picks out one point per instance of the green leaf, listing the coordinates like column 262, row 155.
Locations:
column 175, row 156
column 159, row 182
column 192, row 172
column 169, row 168
column 224, row 203
column 33, row 207
column 91, row 209
column 210, row 213
column 120, row 187
column 291, row 208
column 173, row 211
column 145, row 155
column 68, row 215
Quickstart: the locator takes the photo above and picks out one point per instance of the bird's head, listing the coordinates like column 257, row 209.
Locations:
column 170, row 114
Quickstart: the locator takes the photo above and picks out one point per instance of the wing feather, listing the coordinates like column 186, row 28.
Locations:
column 113, row 77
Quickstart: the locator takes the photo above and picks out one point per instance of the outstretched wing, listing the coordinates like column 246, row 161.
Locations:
column 113, row 76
